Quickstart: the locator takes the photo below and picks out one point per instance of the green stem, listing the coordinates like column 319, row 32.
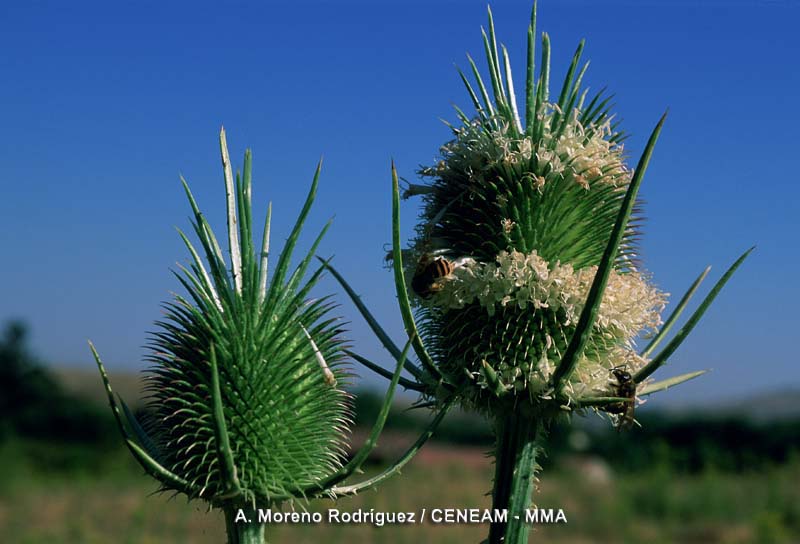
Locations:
column 244, row 532
column 518, row 437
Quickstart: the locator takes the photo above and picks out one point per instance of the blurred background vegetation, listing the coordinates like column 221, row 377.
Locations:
column 727, row 475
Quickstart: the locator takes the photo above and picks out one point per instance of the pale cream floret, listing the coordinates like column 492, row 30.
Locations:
column 571, row 155
column 630, row 304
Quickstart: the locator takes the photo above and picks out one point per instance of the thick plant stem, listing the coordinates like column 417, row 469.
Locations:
column 515, row 468
column 244, row 532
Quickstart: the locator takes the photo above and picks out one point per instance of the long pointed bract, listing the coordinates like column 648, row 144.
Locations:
column 662, row 332
column 681, row 335
column 588, row 315
column 400, row 285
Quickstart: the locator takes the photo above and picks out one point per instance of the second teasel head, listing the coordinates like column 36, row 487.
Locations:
column 522, row 206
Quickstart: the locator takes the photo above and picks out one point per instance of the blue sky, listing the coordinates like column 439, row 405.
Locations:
column 105, row 104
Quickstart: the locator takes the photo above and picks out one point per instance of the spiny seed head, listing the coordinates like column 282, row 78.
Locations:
column 245, row 389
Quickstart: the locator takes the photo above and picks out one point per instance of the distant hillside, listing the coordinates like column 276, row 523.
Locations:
column 778, row 405
column 86, row 383
column 759, row 408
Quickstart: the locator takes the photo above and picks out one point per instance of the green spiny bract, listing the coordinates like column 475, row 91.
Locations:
column 245, row 398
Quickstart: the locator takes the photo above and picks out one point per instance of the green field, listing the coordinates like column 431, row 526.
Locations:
column 693, row 478
column 109, row 501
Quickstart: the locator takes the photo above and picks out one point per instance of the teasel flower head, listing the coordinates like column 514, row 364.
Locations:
column 246, row 388
column 524, row 272
column 522, row 293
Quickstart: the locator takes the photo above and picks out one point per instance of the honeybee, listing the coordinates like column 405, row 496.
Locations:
column 624, row 387
column 428, row 276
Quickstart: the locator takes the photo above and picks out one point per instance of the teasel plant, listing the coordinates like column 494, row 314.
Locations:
column 522, row 292
column 247, row 407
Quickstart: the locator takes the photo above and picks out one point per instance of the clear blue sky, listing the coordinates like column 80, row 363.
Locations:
column 103, row 105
